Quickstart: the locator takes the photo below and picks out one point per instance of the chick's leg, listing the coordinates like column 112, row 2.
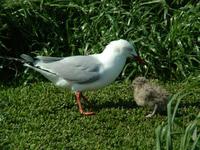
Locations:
column 154, row 111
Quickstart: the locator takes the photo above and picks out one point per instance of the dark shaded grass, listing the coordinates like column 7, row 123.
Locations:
column 165, row 33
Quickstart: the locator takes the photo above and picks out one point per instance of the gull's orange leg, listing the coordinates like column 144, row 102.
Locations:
column 86, row 100
column 78, row 100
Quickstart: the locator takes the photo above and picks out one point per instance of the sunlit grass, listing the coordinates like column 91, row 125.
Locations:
column 40, row 115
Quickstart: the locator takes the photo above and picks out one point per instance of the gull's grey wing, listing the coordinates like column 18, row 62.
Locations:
column 80, row 69
column 47, row 59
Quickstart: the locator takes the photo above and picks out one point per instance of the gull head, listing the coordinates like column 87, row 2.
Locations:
column 123, row 48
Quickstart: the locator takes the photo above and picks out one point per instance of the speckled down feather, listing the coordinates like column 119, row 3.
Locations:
column 149, row 94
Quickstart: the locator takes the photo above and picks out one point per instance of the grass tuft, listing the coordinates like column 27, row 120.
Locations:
column 189, row 137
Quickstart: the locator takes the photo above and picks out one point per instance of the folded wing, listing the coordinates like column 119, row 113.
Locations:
column 80, row 69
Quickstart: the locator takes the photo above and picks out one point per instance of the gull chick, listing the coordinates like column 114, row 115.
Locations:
column 83, row 73
column 150, row 95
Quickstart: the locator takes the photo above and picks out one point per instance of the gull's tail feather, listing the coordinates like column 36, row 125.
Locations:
column 42, row 59
column 49, row 75
column 27, row 58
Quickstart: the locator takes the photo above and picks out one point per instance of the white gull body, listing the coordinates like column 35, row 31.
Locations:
column 80, row 73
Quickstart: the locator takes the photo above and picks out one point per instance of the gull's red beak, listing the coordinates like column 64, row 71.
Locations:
column 139, row 60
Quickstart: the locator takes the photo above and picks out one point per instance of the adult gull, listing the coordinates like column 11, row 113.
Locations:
column 81, row 73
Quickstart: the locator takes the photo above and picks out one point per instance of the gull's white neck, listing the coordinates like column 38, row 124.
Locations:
column 113, row 64
column 112, row 58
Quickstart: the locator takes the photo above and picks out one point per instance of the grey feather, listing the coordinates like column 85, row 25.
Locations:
column 47, row 59
column 49, row 75
column 27, row 58
column 80, row 69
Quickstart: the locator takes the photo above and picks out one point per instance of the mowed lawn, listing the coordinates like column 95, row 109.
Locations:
column 42, row 116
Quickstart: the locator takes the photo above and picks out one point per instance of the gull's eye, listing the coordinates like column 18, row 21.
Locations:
column 129, row 49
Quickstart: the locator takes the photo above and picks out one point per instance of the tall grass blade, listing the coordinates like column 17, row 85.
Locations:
column 187, row 138
column 158, row 137
column 169, row 127
column 178, row 97
column 196, row 144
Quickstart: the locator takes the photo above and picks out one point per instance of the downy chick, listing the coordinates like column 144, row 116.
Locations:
column 150, row 95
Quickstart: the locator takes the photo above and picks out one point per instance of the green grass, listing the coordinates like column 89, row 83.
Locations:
column 41, row 116
column 189, row 138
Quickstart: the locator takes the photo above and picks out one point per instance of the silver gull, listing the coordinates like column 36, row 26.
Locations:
column 81, row 73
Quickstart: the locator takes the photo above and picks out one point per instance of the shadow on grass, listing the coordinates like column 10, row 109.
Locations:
column 193, row 104
column 130, row 104
column 186, row 105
